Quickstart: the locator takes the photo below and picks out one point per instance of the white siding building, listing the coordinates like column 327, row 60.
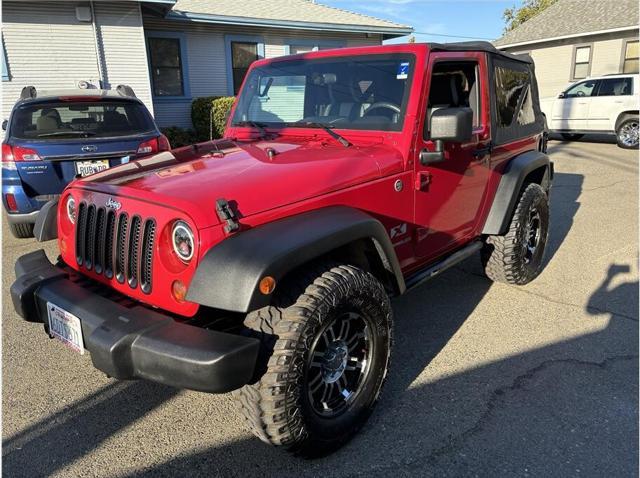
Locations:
column 572, row 40
column 169, row 52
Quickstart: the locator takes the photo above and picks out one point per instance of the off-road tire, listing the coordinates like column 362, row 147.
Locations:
column 505, row 257
column 571, row 136
column 276, row 404
column 631, row 122
column 21, row 230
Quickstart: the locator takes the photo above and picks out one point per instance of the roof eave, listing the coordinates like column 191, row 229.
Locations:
column 290, row 24
column 563, row 37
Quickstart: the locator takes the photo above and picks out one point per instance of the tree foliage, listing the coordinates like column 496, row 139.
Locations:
column 515, row 16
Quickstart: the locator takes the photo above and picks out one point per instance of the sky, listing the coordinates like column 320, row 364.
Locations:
column 433, row 19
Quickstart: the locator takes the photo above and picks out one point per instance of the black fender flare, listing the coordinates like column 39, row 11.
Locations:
column 228, row 275
column 511, row 183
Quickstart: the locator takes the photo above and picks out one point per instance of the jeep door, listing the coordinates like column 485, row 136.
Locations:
column 450, row 195
column 571, row 109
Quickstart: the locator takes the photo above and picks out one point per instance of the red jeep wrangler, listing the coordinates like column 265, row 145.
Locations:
column 264, row 262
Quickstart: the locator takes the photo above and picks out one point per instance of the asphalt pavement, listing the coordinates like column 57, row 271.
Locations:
column 486, row 379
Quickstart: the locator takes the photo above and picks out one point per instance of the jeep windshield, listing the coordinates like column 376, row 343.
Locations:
column 368, row 92
column 62, row 120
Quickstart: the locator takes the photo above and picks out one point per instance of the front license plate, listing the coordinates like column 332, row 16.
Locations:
column 85, row 168
column 66, row 327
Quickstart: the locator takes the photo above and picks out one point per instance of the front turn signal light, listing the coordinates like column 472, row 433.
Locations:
column 267, row 285
column 179, row 290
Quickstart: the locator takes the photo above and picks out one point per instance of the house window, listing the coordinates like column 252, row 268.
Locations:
column 630, row 61
column 165, row 58
column 305, row 46
column 581, row 62
column 242, row 55
column 296, row 49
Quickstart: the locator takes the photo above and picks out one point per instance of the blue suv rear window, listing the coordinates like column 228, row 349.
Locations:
column 81, row 119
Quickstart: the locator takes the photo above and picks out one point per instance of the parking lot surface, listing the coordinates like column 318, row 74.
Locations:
column 486, row 379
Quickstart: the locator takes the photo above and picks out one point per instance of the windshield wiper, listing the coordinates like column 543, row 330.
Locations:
column 341, row 139
column 62, row 133
column 253, row 124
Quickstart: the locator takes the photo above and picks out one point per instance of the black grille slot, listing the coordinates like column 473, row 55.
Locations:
column 134, row 251
column 80, row 232
column 98, row 251
column 116, row 245
column 108, row 244
column 148, row 239
column 90, row 237
column 121, row 253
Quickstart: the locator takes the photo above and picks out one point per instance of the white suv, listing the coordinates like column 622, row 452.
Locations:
column 602, row 105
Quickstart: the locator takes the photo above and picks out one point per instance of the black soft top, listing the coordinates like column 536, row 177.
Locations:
column 478, row 46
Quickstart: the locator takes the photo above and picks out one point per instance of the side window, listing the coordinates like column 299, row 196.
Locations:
column 513, row 97
column 455, row 84
column 584, row 88
column 615, row 87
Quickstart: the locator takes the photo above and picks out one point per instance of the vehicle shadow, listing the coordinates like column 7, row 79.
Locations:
column 61, row 438
column 564, row 200
column 571, row 409
column 587, row 138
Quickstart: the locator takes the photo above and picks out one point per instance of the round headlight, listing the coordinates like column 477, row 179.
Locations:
column 183, row 243
column 71, row 209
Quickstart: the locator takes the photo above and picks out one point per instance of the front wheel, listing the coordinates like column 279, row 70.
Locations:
column 324, row 361
column 516, row 257
column 627, row 134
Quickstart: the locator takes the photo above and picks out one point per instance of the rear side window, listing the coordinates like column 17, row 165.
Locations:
column 64, row 120
column 615, row 87
column 513, row 97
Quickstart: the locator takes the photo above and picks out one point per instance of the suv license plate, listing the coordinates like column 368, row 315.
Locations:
column 66, row 327
column 85, row 168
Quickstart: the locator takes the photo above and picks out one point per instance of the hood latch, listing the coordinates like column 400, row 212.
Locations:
column 225, row 213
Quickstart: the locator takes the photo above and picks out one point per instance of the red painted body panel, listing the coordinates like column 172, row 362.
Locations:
column 310, row 170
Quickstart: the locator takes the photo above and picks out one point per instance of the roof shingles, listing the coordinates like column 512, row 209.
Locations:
column 573, row 17
column 306, row 11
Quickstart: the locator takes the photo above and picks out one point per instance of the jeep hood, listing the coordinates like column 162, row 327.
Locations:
column 256, row 176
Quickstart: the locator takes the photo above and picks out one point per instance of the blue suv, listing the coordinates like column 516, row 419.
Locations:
column 54, row 137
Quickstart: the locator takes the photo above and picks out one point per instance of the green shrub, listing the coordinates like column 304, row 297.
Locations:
column 179, row 136
column 221, row 107
column 206, row 109
column 201, row 116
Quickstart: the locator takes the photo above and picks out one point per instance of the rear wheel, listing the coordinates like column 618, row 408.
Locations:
column 627, row 134
column 324, row 360
column 571, row 136
column 516, row 257
column 21, row 230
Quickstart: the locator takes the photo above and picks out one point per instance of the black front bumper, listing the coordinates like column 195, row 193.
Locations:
column 137, row 342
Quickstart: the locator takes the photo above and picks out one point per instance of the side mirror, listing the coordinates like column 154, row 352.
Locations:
column 454, row 125
column 5, row 123
column 561, row 95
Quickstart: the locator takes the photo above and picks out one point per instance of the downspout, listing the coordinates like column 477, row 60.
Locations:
column 97, row 47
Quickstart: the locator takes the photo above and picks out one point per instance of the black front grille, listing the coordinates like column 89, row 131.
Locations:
column 114, row 244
